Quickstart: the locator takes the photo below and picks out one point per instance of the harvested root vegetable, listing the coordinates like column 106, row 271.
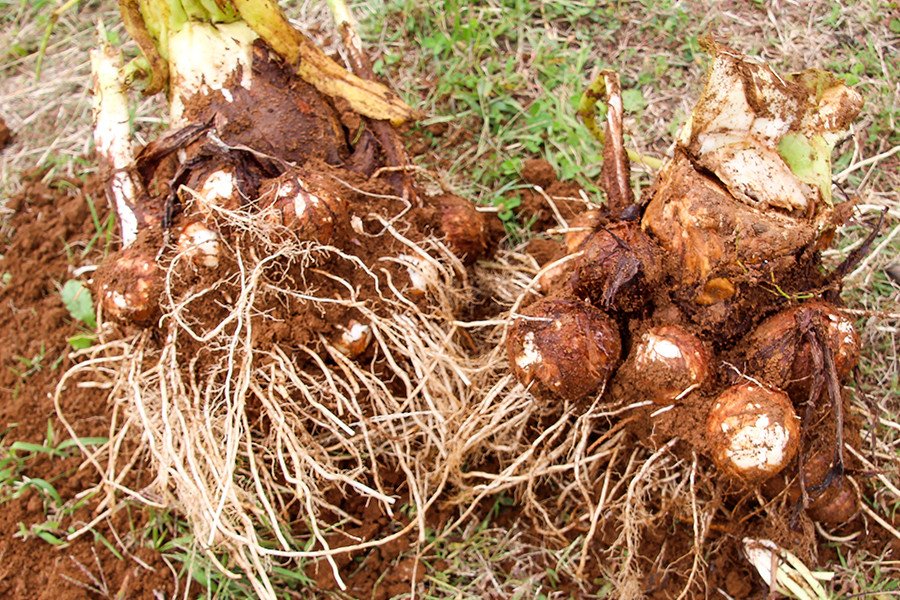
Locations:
column 569, row 347
column 827, row 504
column 217, row 190
column 464, row 228
column 752, row 431
column 199, row 243
column 750, row 183
column 612, row 271
column 733, row 224
column 667, row 363
column 308, row 209
column 128, row 286
column 779, row 349
column 353, row 340
column 325, row 342
column 836, row 506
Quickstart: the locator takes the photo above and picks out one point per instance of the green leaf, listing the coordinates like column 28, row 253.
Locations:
column 85, row 441
column 894, row 25
column 45, row 488
column 80, row 341
column 33, row 448
column 49, row 537
column 633, row 100
column 79, row 303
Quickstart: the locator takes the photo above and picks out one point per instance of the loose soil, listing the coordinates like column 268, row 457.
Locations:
column 52, row 218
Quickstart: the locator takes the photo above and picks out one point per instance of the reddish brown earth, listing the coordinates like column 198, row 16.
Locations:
column 34, row 322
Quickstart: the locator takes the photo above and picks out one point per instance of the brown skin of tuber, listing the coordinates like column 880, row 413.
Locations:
column 612, row 272
column 779, row 351
column 569, row 347
column 463, row 227
column 752, row 431
column 836, row 508
column 833, row 505
column 664, row 363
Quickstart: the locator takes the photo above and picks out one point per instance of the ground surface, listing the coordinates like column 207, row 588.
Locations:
column 49, row 227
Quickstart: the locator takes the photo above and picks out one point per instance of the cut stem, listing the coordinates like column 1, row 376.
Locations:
column 112, row 137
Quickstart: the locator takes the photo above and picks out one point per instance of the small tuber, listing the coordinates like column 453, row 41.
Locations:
column 752, row 431
column 199, row 243
column 666, row 363
column 567, row 346
column 612, row 269
column 779, row 349
column 128, row 286
column 303, row 205
column 463, row 227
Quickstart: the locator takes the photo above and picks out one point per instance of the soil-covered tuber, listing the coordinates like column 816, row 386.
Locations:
column 311, row 211
column 463, row 227
column 752, row 431
column 779, row 349
column 129, row 285
column 199, row 243
column 612, row 271
column 828, row 504
column 354, row 339
column 750, row 183
column 667, row 363
column 567, row 346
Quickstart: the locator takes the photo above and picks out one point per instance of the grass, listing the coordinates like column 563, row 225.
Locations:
column 504, row 78
column 18, row 459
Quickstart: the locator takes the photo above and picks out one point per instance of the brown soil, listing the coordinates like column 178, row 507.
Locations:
column 51, row 217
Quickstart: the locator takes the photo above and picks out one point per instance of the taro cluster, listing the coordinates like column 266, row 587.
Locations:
column 704, row 305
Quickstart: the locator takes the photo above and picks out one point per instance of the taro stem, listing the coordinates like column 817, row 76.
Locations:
column 112, row 137
column 361, row 66
column 596, row 91
column 153, row 23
